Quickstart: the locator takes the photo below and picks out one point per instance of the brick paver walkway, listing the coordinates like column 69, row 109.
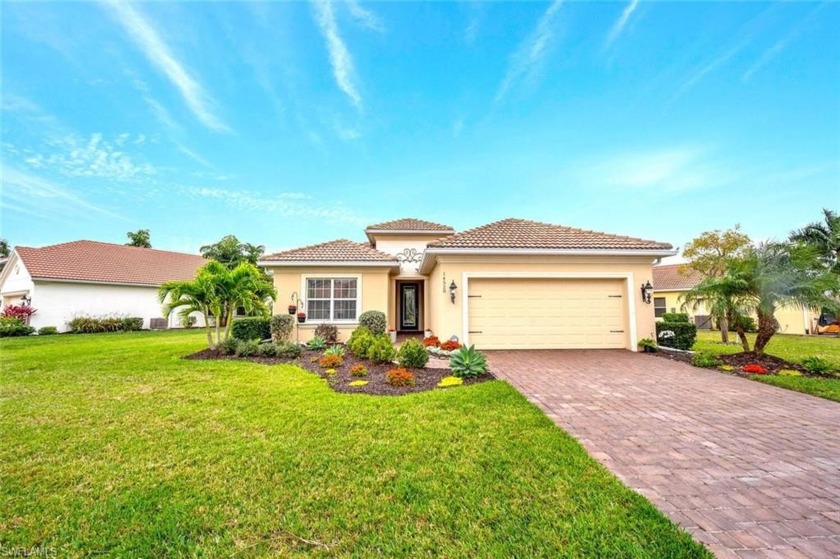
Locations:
column 750, row 470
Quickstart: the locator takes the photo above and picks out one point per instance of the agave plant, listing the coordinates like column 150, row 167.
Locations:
column 337, row 350
column 316, row 344
column 467, row 362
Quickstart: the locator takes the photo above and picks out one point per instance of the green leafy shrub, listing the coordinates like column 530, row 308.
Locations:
column 335, row 350
column 327, row 332
column 374, row 321
column 251, row 328
column 412, row 353
column 228, row 347
column 131, row 324
column 280, row 327
column 704, row 359
column 359, row 341
column 47, row 331
column 446, row 382
column 381, row 350
column 816, row 365
column 789, row 373
column 94, row 325
column 647, row 344
column 675, row 317
column 468, row 362
column 86, row 325
column 11, row 327
column 684, row 334
column 400, row 377
column 316, row 344
column 267, row 350
column 358, row 370
column 247, row 348
column 288, row 350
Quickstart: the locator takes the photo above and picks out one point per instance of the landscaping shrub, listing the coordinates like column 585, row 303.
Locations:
column 754, row 369
column 726, row 368
column 747, row 324
column 412, row 353
column 381, row 350
column 131, row 323
column 95, row 325
column 228, row 347
column 359, row 341
column 647, row 344
column 357, row 383
column 280, row 327
column 431, row 341
column 23, row 312
column 251, row 328
column 400, row 377
column 327, row 332
column 267, row 350
column 289, row 350
column 335, row 350
column 331, row 361
column 684, row 334
column 816, row 365
column 374, row 321
column 675, row 317
column 358, row 370
column 47, row 331
column 467, row 362
column 316, row 344
column 86, row 325
column 11, row 326
column 247, row 348
column 446, row 382
column 450, row 345
column 704, row 359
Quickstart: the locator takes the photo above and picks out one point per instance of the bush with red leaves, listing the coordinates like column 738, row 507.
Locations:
column 450, row 345
column 754, row 369
column 400, row 377
column 431, row 341
column 22, row 312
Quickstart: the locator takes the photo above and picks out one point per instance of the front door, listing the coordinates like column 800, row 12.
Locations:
column 409, row 306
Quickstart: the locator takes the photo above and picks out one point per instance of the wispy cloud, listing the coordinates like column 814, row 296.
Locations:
column 149, row 41
column 781, row 44
column 364, row 16
column 526, row 62
column 619, row 25
column 34, row 195
column 340, row 58
column 346, row 133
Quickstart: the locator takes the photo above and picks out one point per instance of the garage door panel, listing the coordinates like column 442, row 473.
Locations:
column 546, row 313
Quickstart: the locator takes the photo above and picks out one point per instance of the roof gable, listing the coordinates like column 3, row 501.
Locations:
column 670, row 277
column 409, row 224
column 340, row 251
column 97, row 262
column 525, row 234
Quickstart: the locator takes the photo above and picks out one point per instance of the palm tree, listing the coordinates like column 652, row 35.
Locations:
column 823, row 237
column 724, row 297
column 217, row 292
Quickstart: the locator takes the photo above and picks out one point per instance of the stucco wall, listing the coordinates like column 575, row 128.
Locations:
column 374, row 284
column 17, row 281
column 447, row 318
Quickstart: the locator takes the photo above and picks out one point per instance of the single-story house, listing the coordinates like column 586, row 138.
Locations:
column 93, row 279
column 511, row 284
column 672, row 281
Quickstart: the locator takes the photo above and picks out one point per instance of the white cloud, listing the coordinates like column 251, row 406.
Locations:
column 94, row 157
column 526, row 62
column 340, row 58
column 619, row 25
column 365, row 16
column 159, row 55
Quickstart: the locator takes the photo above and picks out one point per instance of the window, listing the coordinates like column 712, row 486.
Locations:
column 332, row 299
column 660, row 307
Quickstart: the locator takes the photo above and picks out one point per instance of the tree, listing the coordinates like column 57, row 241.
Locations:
column 217, row 292
column 230, row 252
column 4, row 248
column 711, row 254
column 823, row 237
column 724, row 296
column 140, row 238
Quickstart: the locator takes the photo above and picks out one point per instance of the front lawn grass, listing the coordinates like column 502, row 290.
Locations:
column 113, row 445
column 825, row 388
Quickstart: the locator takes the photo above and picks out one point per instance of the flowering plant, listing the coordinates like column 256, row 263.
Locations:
column 755, row 368
column 431, row 341
column 22, row 312
column 667, row 334
column 450, row 345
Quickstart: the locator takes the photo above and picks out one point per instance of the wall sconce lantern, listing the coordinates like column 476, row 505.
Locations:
column 26, row 300
column 647, row 292
column 453, row 289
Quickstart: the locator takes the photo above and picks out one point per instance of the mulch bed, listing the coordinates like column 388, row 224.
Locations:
column 424, row 379
column 738, row 360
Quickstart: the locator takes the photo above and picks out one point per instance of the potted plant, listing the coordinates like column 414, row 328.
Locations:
column 301, row 316
column 647, row 345
column 292, row 309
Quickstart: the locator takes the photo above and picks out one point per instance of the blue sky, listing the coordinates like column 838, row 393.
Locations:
column 293, row 123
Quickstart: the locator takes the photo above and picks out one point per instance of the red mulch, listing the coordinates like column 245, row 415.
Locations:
column 424, row 379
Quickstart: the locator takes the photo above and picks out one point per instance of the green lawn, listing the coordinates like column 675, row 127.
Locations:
column 114, row 445
column 825, row 388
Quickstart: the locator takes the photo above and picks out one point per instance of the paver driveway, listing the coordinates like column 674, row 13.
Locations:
column 749, row 469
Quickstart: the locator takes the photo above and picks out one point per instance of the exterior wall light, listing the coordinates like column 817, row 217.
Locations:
column 647, row 292
column 453, row 289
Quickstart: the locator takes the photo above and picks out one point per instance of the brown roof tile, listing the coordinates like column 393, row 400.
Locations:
column 409, row 224
column 671, row 277
column 340, row 250
column 525, row 234
column 92, row 261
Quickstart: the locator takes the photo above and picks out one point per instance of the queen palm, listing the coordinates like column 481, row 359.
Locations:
column 724, row 296
column 823, row 237
column 217, row 292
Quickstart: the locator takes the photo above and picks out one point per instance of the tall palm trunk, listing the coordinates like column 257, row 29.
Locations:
column 723, row 324
column 766, row 330
column 207, row 330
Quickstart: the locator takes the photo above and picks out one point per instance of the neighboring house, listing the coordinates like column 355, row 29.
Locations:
column 511, row 284
column 93, row 279
column 670, row 284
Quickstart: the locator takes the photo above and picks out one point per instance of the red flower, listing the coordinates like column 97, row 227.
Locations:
column 755, row 369
column 431, row 341
column 449, row 345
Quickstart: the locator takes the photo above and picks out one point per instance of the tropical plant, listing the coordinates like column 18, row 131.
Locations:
column 217, row 292
column 329, row 333
column 316, row 344
column 374, row 321
column 647, row 344
column 140, row 238
column 23, row 312
column 726, row 300
column 281, row 328
column 231, row 252
column 824, row 237
column 467, row 362
column 412, row 353
column 704, row 359
column 335, row 350
column 816, row 365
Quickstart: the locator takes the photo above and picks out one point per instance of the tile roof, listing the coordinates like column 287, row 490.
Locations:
column 409, row 224
column 340, row 250
column 670, row 277
column 526, row 234
column 92, row 261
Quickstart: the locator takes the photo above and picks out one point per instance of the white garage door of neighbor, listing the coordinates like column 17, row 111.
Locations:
column 547, row 313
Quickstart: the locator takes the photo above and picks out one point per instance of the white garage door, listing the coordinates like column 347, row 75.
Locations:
column 547, row 313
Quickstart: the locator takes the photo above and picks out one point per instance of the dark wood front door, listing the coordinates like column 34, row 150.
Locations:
column 409, row 306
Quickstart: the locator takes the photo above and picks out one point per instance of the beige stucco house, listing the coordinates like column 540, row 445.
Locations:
column 511, row 284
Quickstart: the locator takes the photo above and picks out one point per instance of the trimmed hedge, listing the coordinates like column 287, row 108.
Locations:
column 47, row 331
column 12, row 327
column 685, row 334
column 96, row 325
column 251, row 328
column 675, row 317
column 374, row 321
column 281, row 327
